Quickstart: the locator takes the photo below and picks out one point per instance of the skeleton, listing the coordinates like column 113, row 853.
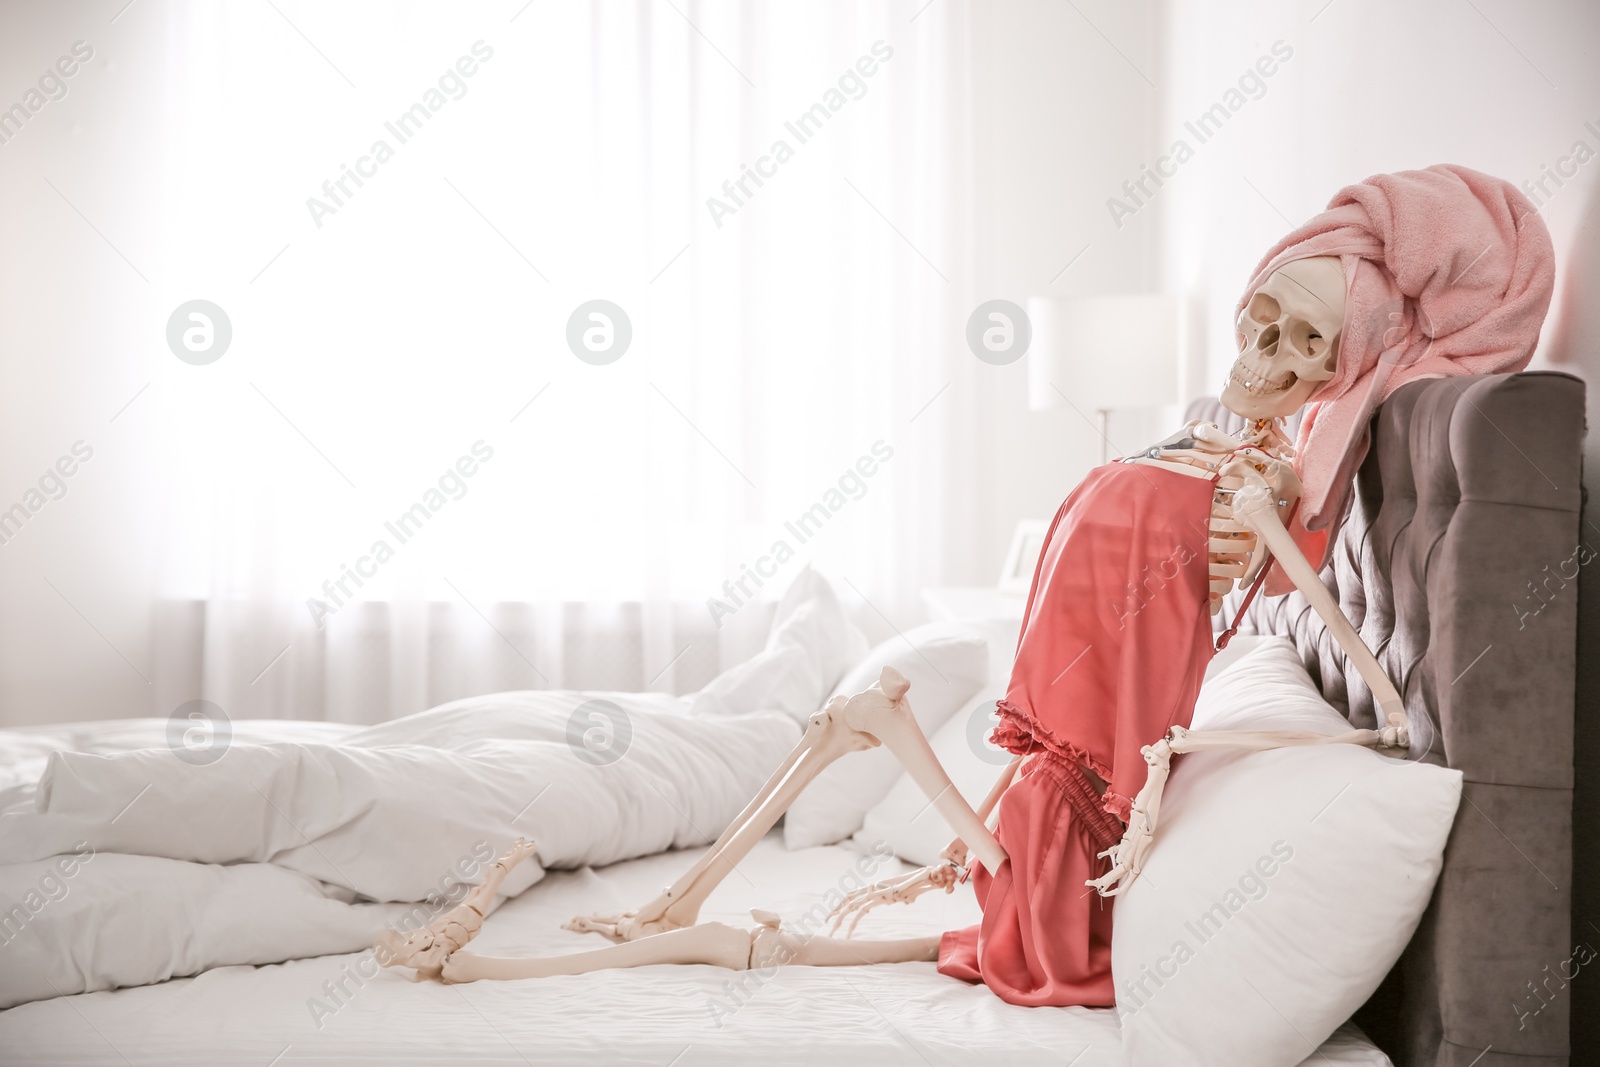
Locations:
column 426, row 949
column 1288, row 339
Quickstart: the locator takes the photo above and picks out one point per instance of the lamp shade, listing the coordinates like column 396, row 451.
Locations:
column 1104, row 352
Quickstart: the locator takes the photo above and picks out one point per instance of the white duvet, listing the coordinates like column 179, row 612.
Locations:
column 124, row 865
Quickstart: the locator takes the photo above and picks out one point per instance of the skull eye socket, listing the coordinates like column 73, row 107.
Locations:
column 1305, row 340
column 1262, row 309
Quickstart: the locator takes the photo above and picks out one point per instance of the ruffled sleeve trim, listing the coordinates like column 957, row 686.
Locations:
column 1014, row 733
column 1118, row 805
column 1021, row 733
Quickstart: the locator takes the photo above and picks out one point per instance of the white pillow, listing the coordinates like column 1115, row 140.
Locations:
column 904, row 819
column 1282, row 885
column 812, row 643
column 945, row 662
column 1239, row 646
column 168, row 918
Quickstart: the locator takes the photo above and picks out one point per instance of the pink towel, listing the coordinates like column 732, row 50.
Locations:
column 1447, row 271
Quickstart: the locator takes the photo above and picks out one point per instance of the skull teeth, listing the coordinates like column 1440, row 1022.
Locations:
column 1255, row 384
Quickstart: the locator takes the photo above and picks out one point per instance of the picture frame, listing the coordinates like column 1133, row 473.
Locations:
column 1027, row 541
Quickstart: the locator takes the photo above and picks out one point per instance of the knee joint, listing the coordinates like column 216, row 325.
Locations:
column 770, row 946
column 879, row 717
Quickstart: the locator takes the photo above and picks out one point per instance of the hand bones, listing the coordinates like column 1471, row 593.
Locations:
column 1267, row 480
column 901, row 890
column 947, row 874
column 1127, row 856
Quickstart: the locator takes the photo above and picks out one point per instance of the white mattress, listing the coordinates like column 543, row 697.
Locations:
column 656, row 1016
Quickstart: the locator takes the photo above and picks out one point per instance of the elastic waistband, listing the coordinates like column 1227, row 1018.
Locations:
column 1105, row 828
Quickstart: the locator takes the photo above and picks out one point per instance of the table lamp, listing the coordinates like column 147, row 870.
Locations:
column 1103, row 352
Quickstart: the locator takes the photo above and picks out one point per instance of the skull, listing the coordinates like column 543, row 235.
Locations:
column 1288, row 336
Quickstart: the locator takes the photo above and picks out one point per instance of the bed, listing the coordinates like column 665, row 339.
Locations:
column 1421, row 567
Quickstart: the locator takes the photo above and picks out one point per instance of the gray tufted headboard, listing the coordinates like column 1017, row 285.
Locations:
column 1457, row 563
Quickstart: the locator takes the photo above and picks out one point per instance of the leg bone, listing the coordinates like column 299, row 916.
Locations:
column 716, row 944
column 827, row 737
column 883, row 713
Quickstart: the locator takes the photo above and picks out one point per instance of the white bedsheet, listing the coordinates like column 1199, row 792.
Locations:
column 657, row 1016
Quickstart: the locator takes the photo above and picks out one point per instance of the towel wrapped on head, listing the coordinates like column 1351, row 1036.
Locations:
column 1447, row 271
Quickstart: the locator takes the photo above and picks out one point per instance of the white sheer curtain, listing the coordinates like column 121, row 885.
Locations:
column 780, row 349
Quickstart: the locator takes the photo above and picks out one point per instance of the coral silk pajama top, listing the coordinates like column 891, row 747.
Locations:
column 1115, row 642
